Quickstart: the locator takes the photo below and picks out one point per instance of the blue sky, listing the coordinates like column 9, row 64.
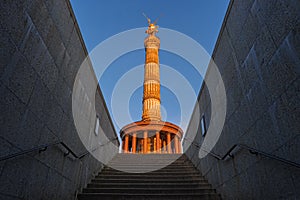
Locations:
column 199, row 19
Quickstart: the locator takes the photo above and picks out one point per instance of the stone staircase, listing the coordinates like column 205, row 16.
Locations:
column 174, row 178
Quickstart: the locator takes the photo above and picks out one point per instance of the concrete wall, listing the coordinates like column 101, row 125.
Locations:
column 258, row 55
column 41, row 51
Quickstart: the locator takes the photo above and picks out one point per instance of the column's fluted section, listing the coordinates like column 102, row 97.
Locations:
column 151, row 95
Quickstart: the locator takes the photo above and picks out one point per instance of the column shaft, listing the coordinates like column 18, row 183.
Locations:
column 160, row 146
column 149, row 145
column 157, row 142
column 145, row 148
column 169, row 142
column 126, row 143
column 176, row 144
column 134, row 143
column 165, row 146
column 179, row 146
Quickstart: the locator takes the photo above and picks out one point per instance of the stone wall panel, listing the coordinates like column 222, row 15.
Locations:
column 43, row 49
column 261, row 78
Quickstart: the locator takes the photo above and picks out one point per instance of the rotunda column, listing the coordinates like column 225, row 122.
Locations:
column 134, row 143
column 145, row 148
column 169, row 142
column 126, row 143
column 179, row 146
column 158, row 149
column 176, row 144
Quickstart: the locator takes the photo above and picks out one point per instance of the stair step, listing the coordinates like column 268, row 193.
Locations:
column 181, row 166
column 145, row 190
column 150, row 185
column 146, row 171
column 174, row 196
column 157, row 171
column 137, row 177
column 161, row 181
column 179, row 175
column 148, row 164
column 161, row 173
column 152, row 168
column 149, row 167
column 154, row 163
column 164, row 167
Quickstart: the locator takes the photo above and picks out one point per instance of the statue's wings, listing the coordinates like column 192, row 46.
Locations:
column 148, row 19
column 157, row 19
